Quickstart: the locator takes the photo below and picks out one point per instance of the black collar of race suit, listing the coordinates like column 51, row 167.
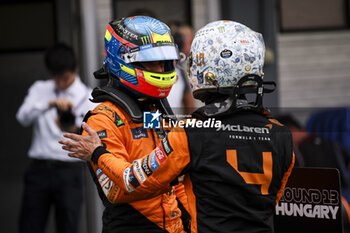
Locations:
column 131, row 106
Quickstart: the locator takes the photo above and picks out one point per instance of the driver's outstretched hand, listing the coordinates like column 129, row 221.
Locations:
column 81, row 146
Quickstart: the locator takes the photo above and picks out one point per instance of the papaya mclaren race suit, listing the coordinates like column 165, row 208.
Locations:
column 118, row 121
column 235, row 174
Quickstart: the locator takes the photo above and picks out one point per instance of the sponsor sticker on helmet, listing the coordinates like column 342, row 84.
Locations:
column 136, row 49
column 226, row 53
column 221, row 29
column 148, row 46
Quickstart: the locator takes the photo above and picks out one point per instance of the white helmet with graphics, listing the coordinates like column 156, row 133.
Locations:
column 222, row 54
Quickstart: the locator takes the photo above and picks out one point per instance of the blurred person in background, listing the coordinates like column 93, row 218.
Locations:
column 313, row 151
column 140, row 67
column 236, row 171
column 54, row 180
column 180, row 97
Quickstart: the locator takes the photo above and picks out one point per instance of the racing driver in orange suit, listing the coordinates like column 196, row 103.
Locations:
column 139, row 64
column 236, row 159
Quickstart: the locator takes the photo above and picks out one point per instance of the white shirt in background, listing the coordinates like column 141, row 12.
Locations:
column 35, row 110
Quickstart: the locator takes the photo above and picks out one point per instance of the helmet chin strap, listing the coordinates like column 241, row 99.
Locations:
column 250, row 84
column 236, row 97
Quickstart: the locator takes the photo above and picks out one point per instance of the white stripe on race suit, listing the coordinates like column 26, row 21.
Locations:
column 126, row 180
column 107, row 188
column 104, row 181
column 138, row 170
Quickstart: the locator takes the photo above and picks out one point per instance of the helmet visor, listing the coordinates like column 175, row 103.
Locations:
column 152, row 52
column 162, row 80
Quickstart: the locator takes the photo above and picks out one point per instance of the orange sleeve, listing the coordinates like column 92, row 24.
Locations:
column 181, row 196
column 183, row 205
column 112, row 137
column 150, row 175
column 285, row 179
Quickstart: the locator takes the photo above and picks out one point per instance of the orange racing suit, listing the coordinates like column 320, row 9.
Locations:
column 130, row 140
column 235, row 173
